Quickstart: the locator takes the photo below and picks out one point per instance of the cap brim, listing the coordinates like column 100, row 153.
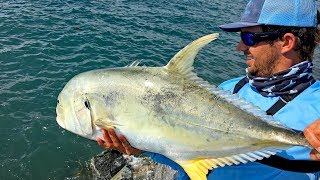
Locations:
column 236, row 27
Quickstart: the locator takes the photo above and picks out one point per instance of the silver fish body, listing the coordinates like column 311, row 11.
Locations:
column 170, row 111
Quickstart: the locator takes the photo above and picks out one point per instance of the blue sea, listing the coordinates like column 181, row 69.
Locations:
column 45, row 43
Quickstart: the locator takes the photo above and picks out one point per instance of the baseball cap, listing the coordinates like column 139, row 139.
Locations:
column 298, row 13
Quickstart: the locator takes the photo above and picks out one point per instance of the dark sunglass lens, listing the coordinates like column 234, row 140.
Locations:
column 247, row 39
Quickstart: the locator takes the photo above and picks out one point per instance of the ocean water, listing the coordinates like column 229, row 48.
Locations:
column 45, row 43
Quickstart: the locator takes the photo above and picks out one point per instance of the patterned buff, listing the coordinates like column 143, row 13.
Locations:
column 291, row 81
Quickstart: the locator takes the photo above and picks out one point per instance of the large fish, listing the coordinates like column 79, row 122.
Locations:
column 170, row 111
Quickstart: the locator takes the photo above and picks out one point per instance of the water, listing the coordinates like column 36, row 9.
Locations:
column 45, row 43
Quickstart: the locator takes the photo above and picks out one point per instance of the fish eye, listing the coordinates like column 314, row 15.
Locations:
column 58, row 101
column 86, row 103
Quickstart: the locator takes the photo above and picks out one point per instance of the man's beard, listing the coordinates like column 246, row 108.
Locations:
column 266, row 68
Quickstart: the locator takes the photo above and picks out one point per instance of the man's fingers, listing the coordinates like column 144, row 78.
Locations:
column 130, row 150
column 315, row 155
column 116, row 142
column 99, row 141
column 106, row 136
column 315, row 125
column 124, row 141
column 312, row 138
column 126, row 144
column 112, row 141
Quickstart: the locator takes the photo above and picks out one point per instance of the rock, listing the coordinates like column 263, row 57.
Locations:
column 107, row 164
column 112, row 164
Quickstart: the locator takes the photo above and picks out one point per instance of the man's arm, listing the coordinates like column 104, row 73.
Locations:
column 312, row 133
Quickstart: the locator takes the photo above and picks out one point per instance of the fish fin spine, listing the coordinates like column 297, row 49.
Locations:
column 134, row 63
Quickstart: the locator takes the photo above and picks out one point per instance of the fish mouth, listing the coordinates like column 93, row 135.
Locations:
column 60, row 122
column 59, row 119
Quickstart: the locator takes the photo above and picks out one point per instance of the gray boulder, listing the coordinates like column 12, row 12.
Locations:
column 114, row 165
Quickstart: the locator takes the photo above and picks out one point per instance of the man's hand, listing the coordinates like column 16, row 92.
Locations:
column 112, row 141
column 312, row 133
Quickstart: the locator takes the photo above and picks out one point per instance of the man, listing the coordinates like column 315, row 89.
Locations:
column 278, row 39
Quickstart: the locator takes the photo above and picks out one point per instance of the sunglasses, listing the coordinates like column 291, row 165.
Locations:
column 251, row 39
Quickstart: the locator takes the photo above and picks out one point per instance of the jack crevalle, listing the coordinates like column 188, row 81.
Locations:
column 170, row 111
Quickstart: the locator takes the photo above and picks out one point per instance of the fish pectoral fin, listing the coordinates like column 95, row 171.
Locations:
column 197, row 169
column 105, row 123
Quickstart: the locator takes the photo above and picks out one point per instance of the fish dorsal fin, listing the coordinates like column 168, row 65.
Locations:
column 134, row 63
column 182, row 62
column 198, row 169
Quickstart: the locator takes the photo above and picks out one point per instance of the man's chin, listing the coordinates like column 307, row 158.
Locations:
column 255, row 73
column 251, row 71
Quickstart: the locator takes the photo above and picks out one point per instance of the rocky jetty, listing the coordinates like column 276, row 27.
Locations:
column 114, row 165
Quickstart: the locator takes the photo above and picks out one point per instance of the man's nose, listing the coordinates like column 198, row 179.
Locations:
column 241, row 46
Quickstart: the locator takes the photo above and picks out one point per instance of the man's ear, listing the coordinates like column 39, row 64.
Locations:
column 289, row 42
